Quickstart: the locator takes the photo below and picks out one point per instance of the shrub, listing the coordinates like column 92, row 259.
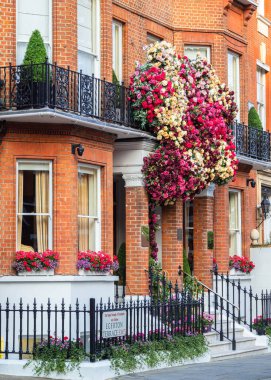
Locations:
column 254, row 119
column 35, row 54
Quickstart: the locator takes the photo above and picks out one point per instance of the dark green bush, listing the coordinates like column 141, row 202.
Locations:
column 36, row 53
column 254, row 119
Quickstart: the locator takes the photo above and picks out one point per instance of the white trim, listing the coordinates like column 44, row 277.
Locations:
column 239, row 216
column 133, row 180
column 237, row 95
column 50, row 214
column 263, row 66
column 89, row 169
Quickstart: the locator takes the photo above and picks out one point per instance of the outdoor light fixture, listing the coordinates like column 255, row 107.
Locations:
column 79, row 148
column 251, row 182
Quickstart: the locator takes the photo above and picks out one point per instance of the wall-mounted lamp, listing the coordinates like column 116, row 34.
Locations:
column 251, row 182
column 79, row 148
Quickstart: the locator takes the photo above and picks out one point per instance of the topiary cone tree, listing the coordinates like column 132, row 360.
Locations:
column 254, row 119
column 35, row 54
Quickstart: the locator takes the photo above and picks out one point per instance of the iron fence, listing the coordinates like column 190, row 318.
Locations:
column 96, row 326
column 48, row 85
column 250, row 305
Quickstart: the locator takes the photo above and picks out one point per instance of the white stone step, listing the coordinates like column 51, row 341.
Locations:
column 257, row 350
column 225, row 345
column 213, row 336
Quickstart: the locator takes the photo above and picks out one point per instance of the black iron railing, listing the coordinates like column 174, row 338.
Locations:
column 95, row 327
column 252, row 142
column 250, row 306
column 48, row 85
column 222, row 310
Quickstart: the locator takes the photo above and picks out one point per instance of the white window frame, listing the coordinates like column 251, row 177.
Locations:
column 34, row 165
column 95, row 53
column 86, row 169
column 239, row 216
column 49, row 45
column 116, row 23
column 261, row 105
column 196, row 48
column 261, row 5
column 232, row 86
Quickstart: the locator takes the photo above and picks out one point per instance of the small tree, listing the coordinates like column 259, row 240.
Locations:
column 254, row 119
column 35, row 54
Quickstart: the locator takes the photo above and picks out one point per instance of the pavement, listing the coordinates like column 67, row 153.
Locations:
column 249, row 368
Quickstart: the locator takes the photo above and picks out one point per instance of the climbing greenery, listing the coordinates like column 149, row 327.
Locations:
column 254, row 119
column 57, row 356
column 170, row 350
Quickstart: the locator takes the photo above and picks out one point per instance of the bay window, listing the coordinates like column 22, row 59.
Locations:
column 89, row 235
column 32, row 15
column 34, row 205
column 234, row 78
column 192, row 51
column 88, row 35
column 235, row 233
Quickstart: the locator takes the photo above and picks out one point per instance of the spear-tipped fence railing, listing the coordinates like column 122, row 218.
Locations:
column 250, row 306
column 95, row 326
column 219, row 308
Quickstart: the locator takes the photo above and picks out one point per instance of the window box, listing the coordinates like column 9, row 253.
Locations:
column 49, row 272
column 83, row 272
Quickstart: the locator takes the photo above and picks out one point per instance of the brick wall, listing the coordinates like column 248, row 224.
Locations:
column 31, row 142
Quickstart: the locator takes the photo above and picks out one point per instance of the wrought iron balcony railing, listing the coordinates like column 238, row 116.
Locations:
column 48, row 85
column 252, row 142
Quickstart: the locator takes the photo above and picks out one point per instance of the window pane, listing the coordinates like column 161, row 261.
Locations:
column 233, row 211
column 87, row 194
column 84, row 19
column 32, row 233
column 117, row 49
column 151, row 39
column 86, row 229
column 233, row 243
column 192, row 51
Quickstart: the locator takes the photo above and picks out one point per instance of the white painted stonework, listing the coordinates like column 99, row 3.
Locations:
column 261, row 256
column 56, row 287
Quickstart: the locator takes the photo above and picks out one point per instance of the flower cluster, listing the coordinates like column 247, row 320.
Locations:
column 97, row 262
column 241, row 263
column 187, row 108
column 207, row 319
column 35, row 261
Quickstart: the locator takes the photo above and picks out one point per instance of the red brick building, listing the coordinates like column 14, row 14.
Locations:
column 39, row 130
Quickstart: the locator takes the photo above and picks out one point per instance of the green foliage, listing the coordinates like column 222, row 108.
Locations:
column 268, row 334
column 170, row 350
column 36, row 53
column 210, row 240
column 186, row 266
column 254, row 119
column 145, row 230
column 53, row 357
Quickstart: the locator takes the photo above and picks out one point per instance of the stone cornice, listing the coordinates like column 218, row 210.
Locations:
column 133, row 180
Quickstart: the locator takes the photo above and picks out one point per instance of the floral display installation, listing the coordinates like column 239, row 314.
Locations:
column 241, row 264
column 184, row 104
column 35, row 261
column 97, row 261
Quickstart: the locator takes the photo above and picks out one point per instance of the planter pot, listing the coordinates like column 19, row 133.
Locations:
column 260, row 331
column 83, row 272
column 49, row 272
column 207, row 328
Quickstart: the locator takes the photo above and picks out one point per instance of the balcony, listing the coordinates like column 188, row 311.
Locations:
column 252, row 145
column 26, row 89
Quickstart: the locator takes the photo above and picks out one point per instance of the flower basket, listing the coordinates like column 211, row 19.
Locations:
column 36, row 263
column 92, row 263
column 239, row 264
column 207, row 328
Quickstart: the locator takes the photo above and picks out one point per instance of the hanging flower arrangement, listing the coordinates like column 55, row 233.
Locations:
column 185, row 106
